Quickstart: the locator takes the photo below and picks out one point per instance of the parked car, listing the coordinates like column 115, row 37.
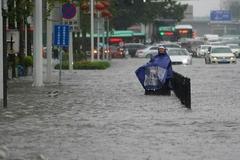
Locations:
column 147, row 52
column 220, row 54
column 133, row 47
column 202, row 50
column 180, row 56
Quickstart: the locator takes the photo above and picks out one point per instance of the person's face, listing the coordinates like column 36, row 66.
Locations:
column 161, row 50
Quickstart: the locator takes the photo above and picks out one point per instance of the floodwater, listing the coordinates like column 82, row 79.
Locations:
column 104, row 115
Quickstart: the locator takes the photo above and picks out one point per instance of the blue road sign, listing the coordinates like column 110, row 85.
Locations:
column 61, row 35
column 220, row 15
column 69, row 10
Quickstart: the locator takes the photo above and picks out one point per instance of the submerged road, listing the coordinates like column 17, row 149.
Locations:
column 104, row 115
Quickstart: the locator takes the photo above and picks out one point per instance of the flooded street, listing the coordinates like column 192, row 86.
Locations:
column 104, row 115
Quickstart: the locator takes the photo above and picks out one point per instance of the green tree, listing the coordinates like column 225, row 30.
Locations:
column 126, row 14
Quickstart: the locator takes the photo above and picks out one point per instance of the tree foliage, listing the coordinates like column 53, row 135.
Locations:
column 127, row 13
column 19, row 10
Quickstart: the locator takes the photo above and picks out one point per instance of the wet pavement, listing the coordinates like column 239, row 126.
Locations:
column 104, row 115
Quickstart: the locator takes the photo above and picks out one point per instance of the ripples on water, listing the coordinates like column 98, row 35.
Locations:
column 105, row 115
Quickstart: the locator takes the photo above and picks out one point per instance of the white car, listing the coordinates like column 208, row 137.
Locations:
column 220, row 54
column 202, row 50
column 179, row 56
column 235, row 49
column 147, row 52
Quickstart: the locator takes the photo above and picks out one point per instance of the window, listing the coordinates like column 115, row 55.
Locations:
column 221, row 50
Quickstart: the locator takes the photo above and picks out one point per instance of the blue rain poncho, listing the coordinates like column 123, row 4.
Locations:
column 156, row 73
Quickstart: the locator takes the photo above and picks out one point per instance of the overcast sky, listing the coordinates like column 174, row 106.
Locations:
column 202, row 8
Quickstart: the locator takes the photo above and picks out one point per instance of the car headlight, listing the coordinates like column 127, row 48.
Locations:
column 185, row 61
column 232, row 58
column 212, row 57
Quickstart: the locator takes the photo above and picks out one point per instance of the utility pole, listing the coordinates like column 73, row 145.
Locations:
column 3, row 61
column 1, row 54
column 37, row 56
column 92, row 30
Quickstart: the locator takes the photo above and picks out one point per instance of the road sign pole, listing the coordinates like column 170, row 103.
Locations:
column 70, row 51
column 60, row 64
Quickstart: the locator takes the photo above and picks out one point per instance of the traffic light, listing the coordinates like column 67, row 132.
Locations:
column 166, row 33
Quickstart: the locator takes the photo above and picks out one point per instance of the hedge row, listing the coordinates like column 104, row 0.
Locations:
column 85, row 65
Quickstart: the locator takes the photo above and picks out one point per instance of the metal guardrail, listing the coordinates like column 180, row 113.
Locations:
column 182, row 89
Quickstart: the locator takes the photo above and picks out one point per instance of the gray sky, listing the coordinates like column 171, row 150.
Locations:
column 202, row 8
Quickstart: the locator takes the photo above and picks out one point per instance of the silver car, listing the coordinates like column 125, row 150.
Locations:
column 220, row 54
column 147, row 52
column 180, row 56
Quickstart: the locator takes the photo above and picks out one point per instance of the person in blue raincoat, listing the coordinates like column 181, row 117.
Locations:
column 156, row 75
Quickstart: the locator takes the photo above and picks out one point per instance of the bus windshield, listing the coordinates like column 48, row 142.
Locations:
column 184, row 31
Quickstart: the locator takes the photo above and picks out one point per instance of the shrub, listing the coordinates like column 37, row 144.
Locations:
column 65, row 56
column 86, row 65
column 28, row 61
column 79, row 56
column 91, row 65
column 65, row 66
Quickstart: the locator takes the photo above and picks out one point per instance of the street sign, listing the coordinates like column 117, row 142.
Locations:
column 69, row 10
column 61, row 35
column 220, row 15
column 166, row 28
